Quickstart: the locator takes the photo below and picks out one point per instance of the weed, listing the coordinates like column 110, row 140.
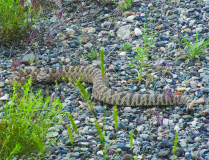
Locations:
column 193, row 50
column 142, row 54
column 148, row 41
column 126, row 47
column 25, row 122
column 149, row 38
column 93, row 54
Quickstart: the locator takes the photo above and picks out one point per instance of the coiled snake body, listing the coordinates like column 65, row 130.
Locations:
column 100, row 86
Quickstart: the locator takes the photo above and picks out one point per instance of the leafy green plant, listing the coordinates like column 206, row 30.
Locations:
column 193, row 50
column 126, row 47
column 17, row 19
column 25, row 122
column 142, row 54
column 93, row 54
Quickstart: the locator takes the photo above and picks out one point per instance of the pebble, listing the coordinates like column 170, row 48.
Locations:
column 181, row 88
column 200, row 101
column 163, row 154
column 204, row 113
column 2, row 84
column 138, row 32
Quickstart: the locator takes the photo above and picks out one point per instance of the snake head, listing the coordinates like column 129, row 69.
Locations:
column 43, row 77
column 16, row 77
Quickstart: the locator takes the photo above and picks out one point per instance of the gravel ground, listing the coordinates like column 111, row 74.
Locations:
column 102, row 26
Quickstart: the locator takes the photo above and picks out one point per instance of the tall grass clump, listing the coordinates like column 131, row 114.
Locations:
column 25, row 122
column 17, row 18
column 193, row 50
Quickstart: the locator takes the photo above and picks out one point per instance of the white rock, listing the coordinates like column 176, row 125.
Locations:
column 131, row 18
column 193, row 123
column 138, row 32
column 176, row 128
column 5, row 97
column 122, row 53
column 100, row 152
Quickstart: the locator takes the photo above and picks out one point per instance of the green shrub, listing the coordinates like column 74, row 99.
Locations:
column 17, row 19
column 25, row 122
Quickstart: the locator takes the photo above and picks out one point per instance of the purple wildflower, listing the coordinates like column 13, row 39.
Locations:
column 59, row 16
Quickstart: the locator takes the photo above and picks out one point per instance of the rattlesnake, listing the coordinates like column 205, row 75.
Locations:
column 101, row 90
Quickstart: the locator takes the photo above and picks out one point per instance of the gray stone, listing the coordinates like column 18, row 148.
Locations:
column 127, row 157
column 205, row 90
column 29, row 56
column 163, row 154
column 124, row 32
column 145, row 136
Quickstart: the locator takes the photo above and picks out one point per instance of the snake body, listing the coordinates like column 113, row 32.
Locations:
column 101, row 90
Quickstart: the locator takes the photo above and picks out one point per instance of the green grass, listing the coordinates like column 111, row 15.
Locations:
column 25, row 122
column 126, row 47
column 93, row 54
column 193, row 51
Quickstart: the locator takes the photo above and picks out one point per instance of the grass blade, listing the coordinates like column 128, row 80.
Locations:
column 131, row 139
column 72, row 122
column 70, row 134
column 175, row 143
column 99, row 131
column 82, row 90
column 115, row 117
column 102, row 62
column 40, row 144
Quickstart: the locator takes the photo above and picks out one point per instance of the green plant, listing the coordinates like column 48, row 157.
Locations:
column 131, row 142
column 25, row 122
column 142, row 54
column 123, row 4
column 17, row 19
column 93, row 54
column 193, row 50
column 148, row 39
column 175, row 143
column 126, row 47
